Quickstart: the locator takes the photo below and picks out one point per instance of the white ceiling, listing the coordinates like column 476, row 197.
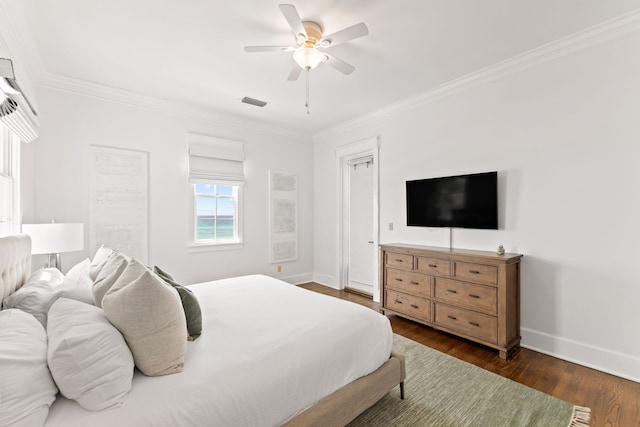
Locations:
column 192, row 51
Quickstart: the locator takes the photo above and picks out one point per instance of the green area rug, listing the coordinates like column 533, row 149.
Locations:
column 442, row 391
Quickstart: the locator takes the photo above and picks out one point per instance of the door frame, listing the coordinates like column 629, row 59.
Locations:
column 344, row 153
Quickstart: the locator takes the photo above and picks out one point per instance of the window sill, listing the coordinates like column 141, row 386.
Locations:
column 213, row 247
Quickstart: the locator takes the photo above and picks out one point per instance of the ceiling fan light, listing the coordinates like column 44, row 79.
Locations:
column 308, row 57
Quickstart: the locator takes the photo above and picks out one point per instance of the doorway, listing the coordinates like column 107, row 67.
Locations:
column 357, row 257
column 360, row 269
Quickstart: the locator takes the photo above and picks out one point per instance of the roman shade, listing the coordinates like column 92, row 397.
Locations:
column 212, row 158
column 16, row 112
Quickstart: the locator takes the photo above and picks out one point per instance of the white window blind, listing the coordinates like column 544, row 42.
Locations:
column 16, row 112
column 215, row 159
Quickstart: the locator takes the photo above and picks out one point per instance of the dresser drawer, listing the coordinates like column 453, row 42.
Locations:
column 477, row 273
column 467, row 322
column 408, row 304
column 402, row 261
column 477, row 297
column 408, row 282
column 435, row 266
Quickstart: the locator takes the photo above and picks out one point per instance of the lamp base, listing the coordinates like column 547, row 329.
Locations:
column 53, row 261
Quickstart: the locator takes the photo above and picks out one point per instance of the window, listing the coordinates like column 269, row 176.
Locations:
column 216, row 213
column 216, row 177
column 9, row 182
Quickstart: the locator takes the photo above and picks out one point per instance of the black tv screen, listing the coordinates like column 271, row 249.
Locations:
column 463, row 201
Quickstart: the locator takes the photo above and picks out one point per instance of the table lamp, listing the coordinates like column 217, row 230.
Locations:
column 53, row 238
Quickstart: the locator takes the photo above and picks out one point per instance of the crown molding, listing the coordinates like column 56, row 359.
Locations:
column 600, row 33
column 24, row 51
column 173, row 108
column 16, row 39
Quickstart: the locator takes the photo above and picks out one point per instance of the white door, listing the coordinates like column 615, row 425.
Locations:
column 360, row 269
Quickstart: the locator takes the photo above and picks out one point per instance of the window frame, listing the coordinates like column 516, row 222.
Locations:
column 10, row 174
column 205, row 245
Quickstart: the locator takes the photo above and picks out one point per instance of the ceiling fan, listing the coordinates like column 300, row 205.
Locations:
column 307, row 51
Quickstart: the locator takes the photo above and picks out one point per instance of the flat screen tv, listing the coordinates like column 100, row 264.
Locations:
column 463, row 201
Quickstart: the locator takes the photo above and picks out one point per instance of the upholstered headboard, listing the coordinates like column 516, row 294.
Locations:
column 15, row 263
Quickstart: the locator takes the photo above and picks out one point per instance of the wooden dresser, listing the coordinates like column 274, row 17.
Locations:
column 472, row 294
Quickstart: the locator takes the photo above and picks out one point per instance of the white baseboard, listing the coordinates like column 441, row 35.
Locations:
column 298, row 278
column 602, row 359
column 325, row 279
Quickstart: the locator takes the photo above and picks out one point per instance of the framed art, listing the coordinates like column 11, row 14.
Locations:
column 119, row 212
column 283, row 216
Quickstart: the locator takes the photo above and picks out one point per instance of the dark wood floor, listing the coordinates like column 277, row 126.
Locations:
column 613, row 401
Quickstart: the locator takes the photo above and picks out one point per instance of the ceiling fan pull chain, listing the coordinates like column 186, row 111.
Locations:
column 307, row 103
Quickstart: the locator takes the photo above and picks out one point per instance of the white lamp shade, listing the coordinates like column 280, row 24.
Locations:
column 55, row 237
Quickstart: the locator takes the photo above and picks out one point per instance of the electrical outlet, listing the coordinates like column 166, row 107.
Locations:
column 279, row 269
column 390, row 226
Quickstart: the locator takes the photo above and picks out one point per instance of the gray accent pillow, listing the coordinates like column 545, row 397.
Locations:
column 149, row 315
column 190, row 304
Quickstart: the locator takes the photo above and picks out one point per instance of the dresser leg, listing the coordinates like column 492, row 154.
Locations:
column 504, row 354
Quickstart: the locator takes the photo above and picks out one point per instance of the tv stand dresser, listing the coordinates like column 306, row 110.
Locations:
column 472, row 294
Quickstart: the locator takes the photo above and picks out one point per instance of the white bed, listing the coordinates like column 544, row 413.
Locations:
column 269, row 354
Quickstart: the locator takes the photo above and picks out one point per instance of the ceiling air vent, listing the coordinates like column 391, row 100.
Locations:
column 252, row 101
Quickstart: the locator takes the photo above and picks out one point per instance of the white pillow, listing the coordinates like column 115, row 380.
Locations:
column 33, row 297
column 76, row 285
column 88, row 357
column 149, row 315
column 98, row 261
column 26, row 387
column 113, row 268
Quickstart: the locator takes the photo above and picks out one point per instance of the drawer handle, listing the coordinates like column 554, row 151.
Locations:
column 415, row 283
column 474, row 324
column 452, row 291
column 398, row 301
column 452, row 317
column 399, row 260
column 474, row 296
column 474, row 272
column 398, row 280
column 433, row 266
column 414, row 306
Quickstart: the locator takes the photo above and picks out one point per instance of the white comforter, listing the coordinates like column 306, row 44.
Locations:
column 268, row 351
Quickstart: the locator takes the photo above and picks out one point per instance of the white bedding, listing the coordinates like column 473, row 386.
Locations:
column 268, row 351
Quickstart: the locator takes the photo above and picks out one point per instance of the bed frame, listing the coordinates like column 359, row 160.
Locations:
column 337, row 409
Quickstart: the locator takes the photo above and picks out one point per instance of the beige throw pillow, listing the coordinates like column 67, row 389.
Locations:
column 108, row 275
column 149, row 315
column 132, row 271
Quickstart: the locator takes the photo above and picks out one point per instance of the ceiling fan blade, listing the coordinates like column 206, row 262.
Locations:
column 252, row 49
column 291, row 15
column 338, row 64
column 350, row 33
column 295, row 73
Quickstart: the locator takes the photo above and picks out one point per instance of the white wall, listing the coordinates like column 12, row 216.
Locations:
column 564, row 136
column 71, row 123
